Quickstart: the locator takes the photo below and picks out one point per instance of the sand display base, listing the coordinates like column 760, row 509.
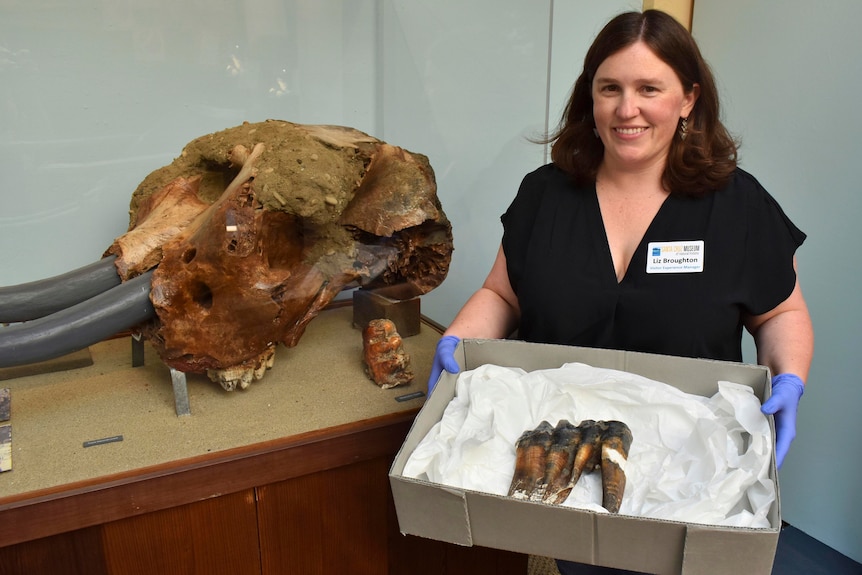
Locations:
column 318, row 384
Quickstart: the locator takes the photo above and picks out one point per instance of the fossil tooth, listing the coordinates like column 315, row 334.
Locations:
column 386, row 361
column 588, row 454
column 616, row 441
column 531, row 455
column 561, row 458
column 550, row 460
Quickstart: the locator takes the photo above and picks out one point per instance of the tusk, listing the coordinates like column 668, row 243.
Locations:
column 79, row 326
column 37, row 299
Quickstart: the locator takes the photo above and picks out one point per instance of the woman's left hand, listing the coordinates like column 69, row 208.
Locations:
column 787, row 390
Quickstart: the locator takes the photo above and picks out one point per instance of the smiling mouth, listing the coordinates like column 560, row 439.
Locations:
column 629, row 131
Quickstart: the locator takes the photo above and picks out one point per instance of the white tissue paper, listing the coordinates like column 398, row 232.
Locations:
column 693, row 459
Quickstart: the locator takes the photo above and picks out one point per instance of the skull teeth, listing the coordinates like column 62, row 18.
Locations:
column 244, row 374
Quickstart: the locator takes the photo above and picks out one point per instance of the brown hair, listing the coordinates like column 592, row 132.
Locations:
column 700, row 163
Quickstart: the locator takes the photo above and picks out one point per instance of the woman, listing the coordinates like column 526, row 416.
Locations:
column 643, row 234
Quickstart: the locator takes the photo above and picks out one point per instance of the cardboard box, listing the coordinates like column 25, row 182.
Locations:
column 469, row 518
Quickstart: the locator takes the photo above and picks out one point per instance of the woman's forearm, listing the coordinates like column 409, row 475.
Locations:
column 785, row 343
column 485, row 315
column 785, row 337
column 492, row 312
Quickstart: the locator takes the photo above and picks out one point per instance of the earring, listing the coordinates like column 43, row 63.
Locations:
column 596, row 132
column 683, row 128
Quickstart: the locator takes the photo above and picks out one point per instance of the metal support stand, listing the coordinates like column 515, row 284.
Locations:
column 181, row 392
column 137, row 350
column 178, row 378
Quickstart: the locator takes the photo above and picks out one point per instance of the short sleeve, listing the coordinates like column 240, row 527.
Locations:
column 771, row 243
column 519, row 221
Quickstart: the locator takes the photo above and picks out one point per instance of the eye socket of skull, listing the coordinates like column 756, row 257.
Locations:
column 201, row 294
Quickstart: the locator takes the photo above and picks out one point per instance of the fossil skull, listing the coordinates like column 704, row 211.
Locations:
column 253, row 230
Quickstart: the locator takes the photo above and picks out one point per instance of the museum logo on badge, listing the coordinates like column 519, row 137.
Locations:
column 675, row 257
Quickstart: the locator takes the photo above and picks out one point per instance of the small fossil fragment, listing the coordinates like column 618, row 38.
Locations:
column 386, row 362
column 549, row 461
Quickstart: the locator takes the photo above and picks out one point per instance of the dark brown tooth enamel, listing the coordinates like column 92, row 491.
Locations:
column 561, row 457
column 550, row 460
column 588, row 454
column 531, row 455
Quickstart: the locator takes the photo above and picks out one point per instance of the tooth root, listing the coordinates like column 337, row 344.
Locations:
column 613, row 480
column 616, row 441
column 536, row 456
column 561, row 457
column 531, row 455
column 588, row 455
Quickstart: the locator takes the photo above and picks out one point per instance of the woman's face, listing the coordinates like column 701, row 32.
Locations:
column 637, row 103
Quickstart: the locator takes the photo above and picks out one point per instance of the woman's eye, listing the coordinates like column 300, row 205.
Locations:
column 650, row 89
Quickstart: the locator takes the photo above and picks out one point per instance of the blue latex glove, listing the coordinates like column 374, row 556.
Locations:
column 787, row 390
column 444, row 358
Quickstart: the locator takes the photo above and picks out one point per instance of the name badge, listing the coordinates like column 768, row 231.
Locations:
column 674, row 257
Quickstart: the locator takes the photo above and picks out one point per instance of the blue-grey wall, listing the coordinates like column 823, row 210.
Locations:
column 94, row 95
column 469, row 83
column 791, row 77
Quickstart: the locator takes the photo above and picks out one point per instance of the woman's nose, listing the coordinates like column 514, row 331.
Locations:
column 627, row 106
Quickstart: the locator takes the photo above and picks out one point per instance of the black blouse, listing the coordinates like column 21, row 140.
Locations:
column 561, row 269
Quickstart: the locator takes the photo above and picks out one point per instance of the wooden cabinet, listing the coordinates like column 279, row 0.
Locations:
column 211, row 536
column 326, row 522
column 303, row 490
column 340, row 519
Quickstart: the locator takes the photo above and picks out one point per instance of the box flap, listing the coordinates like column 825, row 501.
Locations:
column 728, row 552
column 531, row 527
column 639, row 544
column 530, row 357
column 697, row 376
column 425, row 509
column 431, row 511
column 688, row 374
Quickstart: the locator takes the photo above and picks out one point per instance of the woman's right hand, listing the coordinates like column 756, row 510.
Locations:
column 444, row 358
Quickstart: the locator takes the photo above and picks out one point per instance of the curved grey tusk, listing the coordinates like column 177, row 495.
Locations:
column 79, row 326
column 43, row 297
